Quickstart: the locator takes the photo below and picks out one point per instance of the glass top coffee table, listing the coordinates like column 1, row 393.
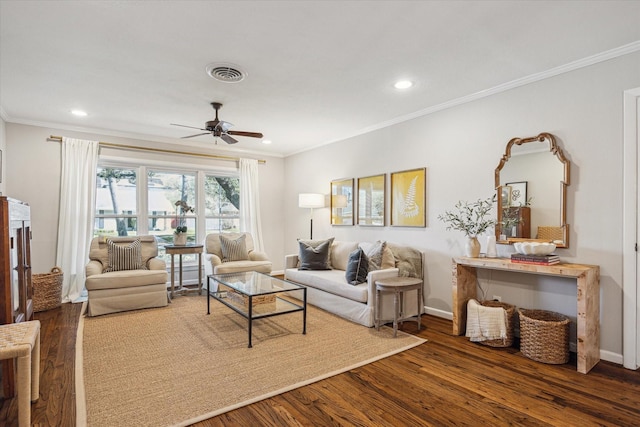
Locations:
column 256, row 295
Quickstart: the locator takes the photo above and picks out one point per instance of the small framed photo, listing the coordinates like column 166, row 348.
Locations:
column 518, row 196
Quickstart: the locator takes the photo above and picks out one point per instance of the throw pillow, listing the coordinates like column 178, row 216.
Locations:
column 234, row 250
column 374, row 253
column 314, row 255
column 124, row 256
column 357, row 268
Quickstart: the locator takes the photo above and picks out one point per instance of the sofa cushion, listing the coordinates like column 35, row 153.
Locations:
column 234, row 249
column 124, row 256
column 358, row 267
column 240, row 266
column 340, row 252
column 314, row 255
column 126, row 279
column 331, row 281
column 374, row 252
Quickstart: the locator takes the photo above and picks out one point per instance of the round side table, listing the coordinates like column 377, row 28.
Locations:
column 397, row 286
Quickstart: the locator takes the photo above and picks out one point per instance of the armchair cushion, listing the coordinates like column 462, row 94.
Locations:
column 124, row 256
column 234, row 249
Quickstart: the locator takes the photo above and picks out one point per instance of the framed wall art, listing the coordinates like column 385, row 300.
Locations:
column 371, row 200
column 518, row 196
column 408, row 198
column 342, row 202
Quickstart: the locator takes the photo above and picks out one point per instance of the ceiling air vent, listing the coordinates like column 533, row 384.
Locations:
column 227, row 73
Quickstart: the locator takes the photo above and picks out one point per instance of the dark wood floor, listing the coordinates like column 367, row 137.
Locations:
column 447, row 381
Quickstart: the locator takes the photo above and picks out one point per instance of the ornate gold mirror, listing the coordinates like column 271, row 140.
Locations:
column 531, row 183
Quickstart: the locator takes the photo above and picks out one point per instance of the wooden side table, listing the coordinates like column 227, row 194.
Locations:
column 184, row 250
column 397, row 286
column 21, row 341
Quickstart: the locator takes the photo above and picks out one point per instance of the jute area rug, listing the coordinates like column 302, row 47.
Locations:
column 177, row 365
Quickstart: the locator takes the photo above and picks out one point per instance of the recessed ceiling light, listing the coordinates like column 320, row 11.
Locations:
column 79, row 113
column 266, row 141
column 403, row 84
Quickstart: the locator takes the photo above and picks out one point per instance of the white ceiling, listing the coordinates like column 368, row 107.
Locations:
column 318, row 71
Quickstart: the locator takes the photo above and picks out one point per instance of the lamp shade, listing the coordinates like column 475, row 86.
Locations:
column 311, row 200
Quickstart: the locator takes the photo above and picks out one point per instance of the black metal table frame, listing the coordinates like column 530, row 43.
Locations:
column 249, row 315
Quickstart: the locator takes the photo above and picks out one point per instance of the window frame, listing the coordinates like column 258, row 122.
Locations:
column 142, row 167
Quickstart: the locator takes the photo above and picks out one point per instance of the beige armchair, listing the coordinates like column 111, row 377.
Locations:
column 234, row 252
column 129, row 278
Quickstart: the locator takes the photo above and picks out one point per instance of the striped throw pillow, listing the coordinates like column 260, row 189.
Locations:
column 124, row 256
column 233, row 250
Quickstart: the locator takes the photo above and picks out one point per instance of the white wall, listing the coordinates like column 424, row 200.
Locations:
column 33, row 175
column 461, row 147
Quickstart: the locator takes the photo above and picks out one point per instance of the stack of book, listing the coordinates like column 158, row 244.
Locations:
column 535, row 259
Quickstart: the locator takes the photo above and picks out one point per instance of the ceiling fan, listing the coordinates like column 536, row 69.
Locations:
column 220, row 129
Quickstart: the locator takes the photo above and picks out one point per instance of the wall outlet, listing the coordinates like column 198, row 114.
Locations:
column 497, row 298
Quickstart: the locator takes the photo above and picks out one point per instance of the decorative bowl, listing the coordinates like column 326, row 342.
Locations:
column 534, row 248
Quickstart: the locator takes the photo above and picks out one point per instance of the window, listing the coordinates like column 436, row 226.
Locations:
column 222, row 204
column 142, row 200
column 164, row 189
column 116, row 195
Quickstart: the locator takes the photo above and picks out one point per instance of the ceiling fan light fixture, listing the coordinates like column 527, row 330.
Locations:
column 266, row 141
column 226, row 72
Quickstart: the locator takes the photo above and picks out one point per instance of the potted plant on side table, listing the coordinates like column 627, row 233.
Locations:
column 471, row 219
column 180, row 233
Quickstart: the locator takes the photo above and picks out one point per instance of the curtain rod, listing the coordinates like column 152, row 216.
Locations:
column 160, row 150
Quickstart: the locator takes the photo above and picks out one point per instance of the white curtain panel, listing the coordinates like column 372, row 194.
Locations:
column 250, row 201
column 77, row 204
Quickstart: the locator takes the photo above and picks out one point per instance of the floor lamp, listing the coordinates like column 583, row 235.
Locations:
column 311, row 201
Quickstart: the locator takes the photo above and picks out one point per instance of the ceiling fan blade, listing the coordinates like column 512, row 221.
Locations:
column 226, row 138
column 242, row 133
column 193, row 136
column 185, row 126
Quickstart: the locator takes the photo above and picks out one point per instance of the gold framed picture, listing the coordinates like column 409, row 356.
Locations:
column 342, row 202
column 372, row 200
column 408, row 197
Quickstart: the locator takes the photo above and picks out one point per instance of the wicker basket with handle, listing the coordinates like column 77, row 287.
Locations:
column 544, row 336
column 47, row 289
column 510, row 311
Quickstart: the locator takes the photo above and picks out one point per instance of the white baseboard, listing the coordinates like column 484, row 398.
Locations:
column 438, row 313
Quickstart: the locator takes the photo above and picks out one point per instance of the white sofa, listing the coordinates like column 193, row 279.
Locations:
column 329, row 289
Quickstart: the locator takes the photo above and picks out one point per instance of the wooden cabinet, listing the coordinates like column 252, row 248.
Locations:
column 16, row 291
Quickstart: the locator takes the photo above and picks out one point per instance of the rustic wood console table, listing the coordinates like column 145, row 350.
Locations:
column 588, row 282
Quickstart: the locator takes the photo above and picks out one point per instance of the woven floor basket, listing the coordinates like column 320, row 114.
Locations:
column 47, row 290
column 511, row 310
column 544, row 336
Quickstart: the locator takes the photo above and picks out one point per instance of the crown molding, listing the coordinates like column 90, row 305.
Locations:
column 562, row 69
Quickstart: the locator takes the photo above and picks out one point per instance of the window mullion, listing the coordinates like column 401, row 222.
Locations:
column 142, row 201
